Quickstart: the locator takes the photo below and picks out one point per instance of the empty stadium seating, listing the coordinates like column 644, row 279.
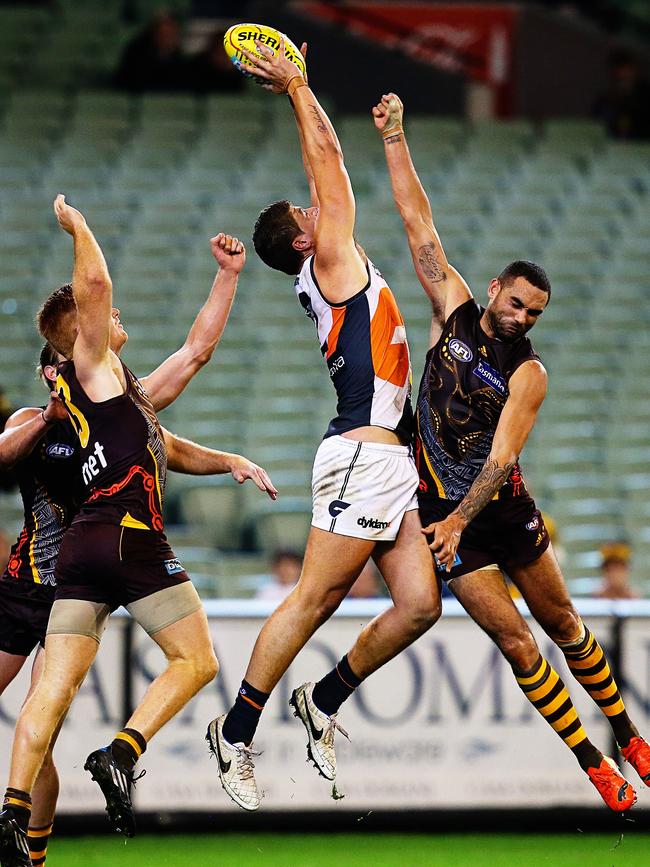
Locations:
column 157, row 176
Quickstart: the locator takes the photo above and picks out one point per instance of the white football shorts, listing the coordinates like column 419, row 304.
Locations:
column 363, row 489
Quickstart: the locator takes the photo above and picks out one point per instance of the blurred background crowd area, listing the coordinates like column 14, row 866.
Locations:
column 529, row 125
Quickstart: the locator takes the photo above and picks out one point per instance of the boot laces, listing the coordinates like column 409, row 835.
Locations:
column 245, row 764
column 332, row 726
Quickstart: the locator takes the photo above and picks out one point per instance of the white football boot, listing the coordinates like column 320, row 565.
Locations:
column 320, row 730
column 235, row 767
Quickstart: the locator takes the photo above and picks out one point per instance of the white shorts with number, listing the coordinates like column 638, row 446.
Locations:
column 363, row 489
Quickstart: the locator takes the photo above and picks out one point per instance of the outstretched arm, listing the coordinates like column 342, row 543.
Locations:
column 184, row 456
column 91, row 283
column 442, row 283
column 93, row 295
column 169, row 379
column 313, row 194
column 25, row 428
column 338, row 264
column 527, row 391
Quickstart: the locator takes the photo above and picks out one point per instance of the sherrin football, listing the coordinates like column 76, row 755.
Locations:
column 245, row 35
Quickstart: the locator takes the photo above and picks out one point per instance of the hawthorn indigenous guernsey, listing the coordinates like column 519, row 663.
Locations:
column 123, row 455
column 463, row 391
column 362, row 489
column 115, row 552
column 49, row 480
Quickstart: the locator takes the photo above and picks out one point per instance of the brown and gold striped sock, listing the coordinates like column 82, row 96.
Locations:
column 544, row 689
column 127, row 746
column 37, row 840
column 588, row 664
column 19, row 805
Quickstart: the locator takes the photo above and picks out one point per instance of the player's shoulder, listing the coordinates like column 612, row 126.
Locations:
column 468, row 311
column 22, row 415
column 529, row 376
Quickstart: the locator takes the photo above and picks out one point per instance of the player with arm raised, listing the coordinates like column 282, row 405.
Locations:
column 128, row 421
column 364, row 478
column 481, row 390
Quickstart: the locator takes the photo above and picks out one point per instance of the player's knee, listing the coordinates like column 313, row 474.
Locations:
column 207, row 668
column 199, row 668
column 326, row 607
column 319, row 604
column 424, row 611
column 325, row 604
column 519, row 648
column 566, row 625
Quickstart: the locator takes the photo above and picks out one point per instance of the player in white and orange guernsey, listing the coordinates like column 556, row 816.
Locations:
column 364, row 478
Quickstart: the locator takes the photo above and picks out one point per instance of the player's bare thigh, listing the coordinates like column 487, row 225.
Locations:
column 542, row 585
column 188, row 638
column 407, row 568
column 331, row 565
column 485, row 597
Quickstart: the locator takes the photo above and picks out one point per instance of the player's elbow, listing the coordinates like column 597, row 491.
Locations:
column 326, row 153
column 409, row 212
column 95, row 283
column 202, row 355
column 197, row 353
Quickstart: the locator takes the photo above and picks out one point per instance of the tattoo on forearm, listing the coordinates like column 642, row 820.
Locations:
column 430, row 263
column 485, row 486
column 393, row 139
column 320, row 123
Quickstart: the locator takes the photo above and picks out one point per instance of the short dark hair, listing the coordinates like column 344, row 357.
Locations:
column 273, row 237
column 53, row 319
column 535, row 275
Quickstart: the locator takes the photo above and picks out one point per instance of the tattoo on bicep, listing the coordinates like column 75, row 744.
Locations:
column 393, row 139
column 320, row 123
column 485, row 486
column 430, row 263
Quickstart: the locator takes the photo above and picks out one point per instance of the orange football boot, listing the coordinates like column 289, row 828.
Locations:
column 612, row 787
column 637, row 753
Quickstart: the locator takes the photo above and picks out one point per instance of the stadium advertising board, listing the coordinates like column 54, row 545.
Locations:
column 444, row 725
column 476, row 39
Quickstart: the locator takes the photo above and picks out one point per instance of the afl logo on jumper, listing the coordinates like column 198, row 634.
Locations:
column 534, row 524
column 60, row 451
column 336, row 507
column 460, row 350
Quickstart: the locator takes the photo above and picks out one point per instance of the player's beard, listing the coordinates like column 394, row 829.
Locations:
column 502, row 327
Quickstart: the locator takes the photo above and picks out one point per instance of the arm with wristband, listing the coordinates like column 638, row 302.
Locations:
column 338, row 264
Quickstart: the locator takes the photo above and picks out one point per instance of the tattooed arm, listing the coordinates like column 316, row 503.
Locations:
column 442, row 283
column 527, row 388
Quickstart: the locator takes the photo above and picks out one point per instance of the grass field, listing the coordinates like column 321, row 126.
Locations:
column 355, row 850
